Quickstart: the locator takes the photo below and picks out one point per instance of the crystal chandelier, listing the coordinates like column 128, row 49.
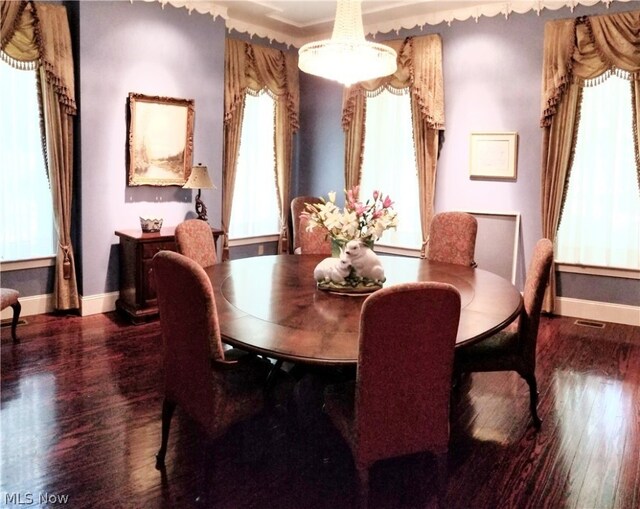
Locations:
column 347, row 57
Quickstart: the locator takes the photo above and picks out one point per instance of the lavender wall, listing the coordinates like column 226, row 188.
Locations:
column 141, row 47
column 320, row 141
column 492, row 76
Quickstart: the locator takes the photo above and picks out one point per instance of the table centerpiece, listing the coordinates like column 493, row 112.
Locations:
column 353, row 230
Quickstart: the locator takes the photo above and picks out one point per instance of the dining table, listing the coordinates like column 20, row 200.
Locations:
column 271, row 305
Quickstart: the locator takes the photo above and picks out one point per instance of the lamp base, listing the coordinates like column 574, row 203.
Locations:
column 201, row 210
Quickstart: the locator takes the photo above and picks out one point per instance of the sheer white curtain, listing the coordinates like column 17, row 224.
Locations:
column 27, row 229
column 389, row 163
column 255, row 199
column 601, row 218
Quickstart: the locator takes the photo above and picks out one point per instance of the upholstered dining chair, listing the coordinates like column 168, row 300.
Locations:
column 452, row 238
column 10, row 297
column 216, row 388
column 315, row 241
column 399, row 402
column 195, row 240
column 515, row 350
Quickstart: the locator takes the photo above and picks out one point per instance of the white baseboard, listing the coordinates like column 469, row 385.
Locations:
column 95, row 304
column 40, row 304
column 599, row 311
column 35, row 305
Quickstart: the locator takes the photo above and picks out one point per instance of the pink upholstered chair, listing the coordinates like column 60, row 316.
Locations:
column 315, row 241
column 195, row 240
column 515, row 350
column 452, row 238
column 213, row 386
column 9, row 297
column 399, row 403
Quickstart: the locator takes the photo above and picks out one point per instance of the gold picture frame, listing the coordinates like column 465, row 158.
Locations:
column 493, row 156
column 160, row 140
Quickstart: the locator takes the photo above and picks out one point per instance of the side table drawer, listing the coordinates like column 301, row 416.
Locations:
column 150, row 249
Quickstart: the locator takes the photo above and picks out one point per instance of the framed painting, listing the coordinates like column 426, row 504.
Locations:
column 160, row 140
column 493, row 155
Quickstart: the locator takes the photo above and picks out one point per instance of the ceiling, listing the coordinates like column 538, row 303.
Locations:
column 297, row 22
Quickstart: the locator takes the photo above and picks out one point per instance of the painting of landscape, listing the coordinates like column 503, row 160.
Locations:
column 160, row 140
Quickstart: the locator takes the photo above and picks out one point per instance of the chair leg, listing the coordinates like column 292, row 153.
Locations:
column 363, row 487
column 167, row 413
column 17, row 307
column 533, row 399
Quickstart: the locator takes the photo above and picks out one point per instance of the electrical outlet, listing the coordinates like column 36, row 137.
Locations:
column 260, row 249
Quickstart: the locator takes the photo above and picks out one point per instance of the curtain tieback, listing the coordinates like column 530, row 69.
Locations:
column 423, row 250
column 66, row 263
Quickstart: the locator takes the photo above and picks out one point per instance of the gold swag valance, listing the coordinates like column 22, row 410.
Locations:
column 577, row 50
column 252, row 67
column 34, row 32
column 419, row 68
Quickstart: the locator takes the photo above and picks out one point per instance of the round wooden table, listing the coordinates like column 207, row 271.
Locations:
column 270, row 305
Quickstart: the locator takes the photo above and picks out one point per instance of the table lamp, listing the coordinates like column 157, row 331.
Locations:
column 199, row 179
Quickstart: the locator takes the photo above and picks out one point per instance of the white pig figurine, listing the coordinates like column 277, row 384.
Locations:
column 333, row 269
column 364, row 261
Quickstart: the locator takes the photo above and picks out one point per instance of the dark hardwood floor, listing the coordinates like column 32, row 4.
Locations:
column 80, row 418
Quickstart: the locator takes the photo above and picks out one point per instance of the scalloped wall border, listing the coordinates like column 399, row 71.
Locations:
column 488, row 9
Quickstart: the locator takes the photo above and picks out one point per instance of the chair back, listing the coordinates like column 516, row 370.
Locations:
column 534, row 288
column 407, row 338
column 452, row 238
column 315, row 241
column 195, row 240
column 190, row 334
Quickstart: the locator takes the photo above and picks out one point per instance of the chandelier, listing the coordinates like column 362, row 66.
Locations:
column 347, row 57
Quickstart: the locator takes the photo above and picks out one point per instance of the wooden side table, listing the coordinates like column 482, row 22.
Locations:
column 138, row 300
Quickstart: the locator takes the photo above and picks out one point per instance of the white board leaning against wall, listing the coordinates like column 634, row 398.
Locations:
column 497, row 242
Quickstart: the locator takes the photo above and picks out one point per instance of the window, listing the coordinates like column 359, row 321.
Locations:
column 389, row 164
column 600, row 223
column 27, row 209
column 255, row 210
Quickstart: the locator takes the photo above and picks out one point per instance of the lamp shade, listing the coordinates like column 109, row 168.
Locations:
column 199, row 178
column 347, row 57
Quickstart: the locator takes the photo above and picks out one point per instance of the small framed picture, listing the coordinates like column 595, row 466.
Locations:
column 160, row 140
column 493, row 156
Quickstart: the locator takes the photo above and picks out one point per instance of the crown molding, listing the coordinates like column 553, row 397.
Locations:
column 202, row 7
column 486, row 8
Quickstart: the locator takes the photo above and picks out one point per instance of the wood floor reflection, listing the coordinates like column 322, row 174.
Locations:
column 80, row 418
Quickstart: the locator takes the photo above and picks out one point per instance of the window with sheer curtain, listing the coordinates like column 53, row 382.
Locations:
column 255, row 211
column 389, row 164
column 27, row 229
column 600, row 223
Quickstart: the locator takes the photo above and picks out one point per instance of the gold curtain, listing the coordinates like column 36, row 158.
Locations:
column 419, row 69
column 354, row 116
column 40, row 31
column 252, row 67
column 234, row 64
column 576, row 52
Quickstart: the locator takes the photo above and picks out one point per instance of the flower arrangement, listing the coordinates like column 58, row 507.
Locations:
column 357, row 220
